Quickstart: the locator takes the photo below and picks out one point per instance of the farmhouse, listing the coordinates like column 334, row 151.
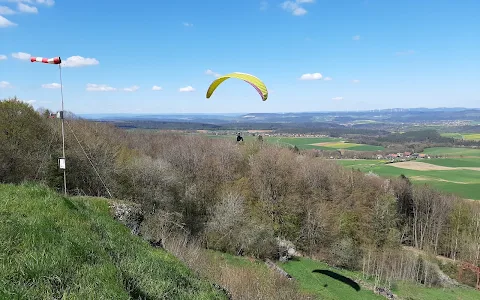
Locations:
column 392, row 156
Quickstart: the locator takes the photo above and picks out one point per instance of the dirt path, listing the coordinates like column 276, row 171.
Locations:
column 421, row 252
column 419, row 166
column 422, row 166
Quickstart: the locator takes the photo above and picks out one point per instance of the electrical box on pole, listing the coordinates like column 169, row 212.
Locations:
column 61, row 163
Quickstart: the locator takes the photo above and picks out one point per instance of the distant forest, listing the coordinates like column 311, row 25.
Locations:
column 416, row 139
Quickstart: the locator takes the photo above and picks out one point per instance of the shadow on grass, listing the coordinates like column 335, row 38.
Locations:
column 294, row 258
column 339, row 277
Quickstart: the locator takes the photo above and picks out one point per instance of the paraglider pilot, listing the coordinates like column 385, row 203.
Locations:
column 239, row 137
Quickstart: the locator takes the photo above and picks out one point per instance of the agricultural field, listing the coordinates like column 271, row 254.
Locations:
column 454, row 135
column 456, row 162
column 457, row 176
column 326, row 143
column 452, row 152
column 348, row 146
column 472, row 136
column 461, row 136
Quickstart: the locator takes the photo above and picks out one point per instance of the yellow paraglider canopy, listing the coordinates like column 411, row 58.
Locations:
column 254, row 81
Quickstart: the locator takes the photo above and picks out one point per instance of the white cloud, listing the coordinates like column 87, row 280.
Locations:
column 295, row 7
column 328, row 78
column 51, row 86
column 313, row 76
column 91, row 87
column 4, row 22
column 21, row 55
column 79, row 61
column 356, row 81
column 22, row 7
column 263, row 5
column 46, row 2
column 3, row 57
column 27, row 101
column 157, row 88
column 41, row 2
column 337, row 98
column 356, row 38
column 186, row 89
column 210, row 72
column 409, row 52
column 4, row 10
column 132, row 88
column 186, row 24
column 5, row 84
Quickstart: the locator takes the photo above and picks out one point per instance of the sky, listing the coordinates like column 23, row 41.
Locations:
column 314, row 55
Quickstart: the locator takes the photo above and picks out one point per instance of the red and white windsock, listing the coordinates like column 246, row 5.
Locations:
column 55, row 60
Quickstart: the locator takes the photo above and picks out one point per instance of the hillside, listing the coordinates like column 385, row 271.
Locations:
column 71, row 248
column 238, row 198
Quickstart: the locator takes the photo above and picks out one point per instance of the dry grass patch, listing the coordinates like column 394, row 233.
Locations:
column 244, row 278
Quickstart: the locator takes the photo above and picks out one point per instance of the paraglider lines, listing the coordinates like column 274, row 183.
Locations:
column 91, row 163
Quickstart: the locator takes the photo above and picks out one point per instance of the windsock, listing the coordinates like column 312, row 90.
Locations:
column 54, row 60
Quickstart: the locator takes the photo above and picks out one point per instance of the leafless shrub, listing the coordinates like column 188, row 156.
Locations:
column 244, row 281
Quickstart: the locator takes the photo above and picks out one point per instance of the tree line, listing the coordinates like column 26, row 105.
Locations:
column 240, row 198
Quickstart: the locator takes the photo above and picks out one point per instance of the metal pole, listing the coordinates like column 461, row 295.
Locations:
column 62, row 115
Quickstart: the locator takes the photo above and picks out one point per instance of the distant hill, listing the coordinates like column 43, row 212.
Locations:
column 395, row 115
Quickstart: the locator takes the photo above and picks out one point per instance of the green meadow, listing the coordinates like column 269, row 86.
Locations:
column 462, row 182
column 332, row 283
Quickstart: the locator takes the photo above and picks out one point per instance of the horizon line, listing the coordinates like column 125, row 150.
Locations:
column 279, row 112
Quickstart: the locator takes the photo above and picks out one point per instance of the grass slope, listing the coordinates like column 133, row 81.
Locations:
column 465, row 183
column 71, row 248
column 324, row 286
column 328, row 288
column 416, row 292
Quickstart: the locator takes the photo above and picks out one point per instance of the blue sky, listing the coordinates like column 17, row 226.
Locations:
column 371, row 54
